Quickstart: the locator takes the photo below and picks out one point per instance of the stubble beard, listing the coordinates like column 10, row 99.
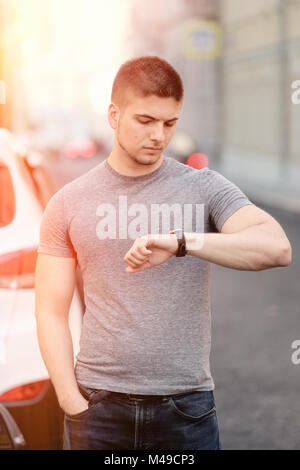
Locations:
column 136, row 158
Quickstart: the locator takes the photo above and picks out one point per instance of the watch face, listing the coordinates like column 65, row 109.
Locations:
column 181, row 242
column 178, row 233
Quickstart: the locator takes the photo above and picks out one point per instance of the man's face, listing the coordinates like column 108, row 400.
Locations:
column 146, row 126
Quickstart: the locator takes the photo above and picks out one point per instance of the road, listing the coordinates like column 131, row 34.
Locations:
column 255, row 319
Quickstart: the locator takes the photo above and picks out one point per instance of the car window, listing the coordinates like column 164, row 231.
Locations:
column 7, row 196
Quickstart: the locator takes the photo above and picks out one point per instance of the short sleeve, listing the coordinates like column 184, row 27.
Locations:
column 223, row 197
column 54, row 236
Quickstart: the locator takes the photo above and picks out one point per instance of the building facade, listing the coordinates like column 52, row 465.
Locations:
column 260, row 116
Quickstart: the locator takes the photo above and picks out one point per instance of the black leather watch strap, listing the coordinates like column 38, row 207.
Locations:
column 181, row 242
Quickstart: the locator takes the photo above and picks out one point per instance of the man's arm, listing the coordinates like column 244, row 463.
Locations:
column 251, row 239
column 54, row 287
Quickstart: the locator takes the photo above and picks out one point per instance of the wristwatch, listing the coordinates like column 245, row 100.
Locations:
column 181, row 241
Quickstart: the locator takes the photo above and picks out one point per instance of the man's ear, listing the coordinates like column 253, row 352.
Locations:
column 113, row 115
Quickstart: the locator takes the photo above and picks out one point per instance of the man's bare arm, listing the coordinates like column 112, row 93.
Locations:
column 251, row 239
column 54, row 287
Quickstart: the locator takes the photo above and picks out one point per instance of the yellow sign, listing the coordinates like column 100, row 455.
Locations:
column 201, row 39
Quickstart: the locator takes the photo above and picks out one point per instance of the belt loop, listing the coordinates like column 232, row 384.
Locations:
column 97, row 396
column 85, row 392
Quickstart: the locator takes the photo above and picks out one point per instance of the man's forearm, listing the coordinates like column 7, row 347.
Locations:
column 57, row 351
column 251, row 249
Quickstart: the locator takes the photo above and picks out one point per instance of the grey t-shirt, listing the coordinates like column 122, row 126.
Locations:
column 147, row 332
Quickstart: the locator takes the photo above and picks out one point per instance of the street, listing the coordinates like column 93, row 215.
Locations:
column 255, row 319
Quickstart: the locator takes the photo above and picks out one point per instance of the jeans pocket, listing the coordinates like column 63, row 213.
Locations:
column 78, row 415
column 92, row 396
column 194, row 406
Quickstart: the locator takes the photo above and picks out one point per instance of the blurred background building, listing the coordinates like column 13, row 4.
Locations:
column 238, row 61
column 187, row 33
column 260, row 123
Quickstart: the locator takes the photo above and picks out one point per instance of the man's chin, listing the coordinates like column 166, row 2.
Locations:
column 144, row 156
column 148, row 158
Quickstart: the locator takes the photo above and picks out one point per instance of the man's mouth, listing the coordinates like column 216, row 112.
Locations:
column 153, row 149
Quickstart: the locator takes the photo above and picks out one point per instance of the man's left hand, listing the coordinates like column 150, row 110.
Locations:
column 149, row 251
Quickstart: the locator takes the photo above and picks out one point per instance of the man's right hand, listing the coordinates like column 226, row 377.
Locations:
column 75, row 405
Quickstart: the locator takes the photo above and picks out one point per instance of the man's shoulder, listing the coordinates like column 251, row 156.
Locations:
column 182, row 169
column 84, row 181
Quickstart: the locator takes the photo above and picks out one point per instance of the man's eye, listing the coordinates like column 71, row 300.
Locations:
column 170, row 124
column 144, row 122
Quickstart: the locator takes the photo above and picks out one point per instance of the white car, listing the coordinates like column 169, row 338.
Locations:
column 25, row 388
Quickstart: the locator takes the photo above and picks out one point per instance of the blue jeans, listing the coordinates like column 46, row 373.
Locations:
column 119, row 421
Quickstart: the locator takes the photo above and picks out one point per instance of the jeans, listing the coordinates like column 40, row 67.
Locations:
column 120, row 421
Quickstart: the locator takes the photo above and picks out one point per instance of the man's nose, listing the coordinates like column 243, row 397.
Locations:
column 157, row 133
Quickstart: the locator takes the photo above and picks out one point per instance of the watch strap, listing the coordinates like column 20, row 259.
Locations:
column 181, row 242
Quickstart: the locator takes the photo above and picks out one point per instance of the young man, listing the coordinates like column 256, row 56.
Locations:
column 142, row 377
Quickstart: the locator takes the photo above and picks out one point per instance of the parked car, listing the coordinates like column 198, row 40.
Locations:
column 26, row 391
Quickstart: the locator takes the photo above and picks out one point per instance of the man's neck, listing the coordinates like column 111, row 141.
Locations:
column 123, row 164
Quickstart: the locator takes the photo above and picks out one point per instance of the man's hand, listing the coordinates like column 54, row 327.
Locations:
column 149, row 251
column 75, row 405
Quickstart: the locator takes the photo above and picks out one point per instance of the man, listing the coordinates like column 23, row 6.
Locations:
column 142, row 377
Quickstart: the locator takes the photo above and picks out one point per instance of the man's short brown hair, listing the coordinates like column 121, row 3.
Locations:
column 145, row 76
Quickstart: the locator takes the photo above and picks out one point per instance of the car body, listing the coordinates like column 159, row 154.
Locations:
column 25, row 388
